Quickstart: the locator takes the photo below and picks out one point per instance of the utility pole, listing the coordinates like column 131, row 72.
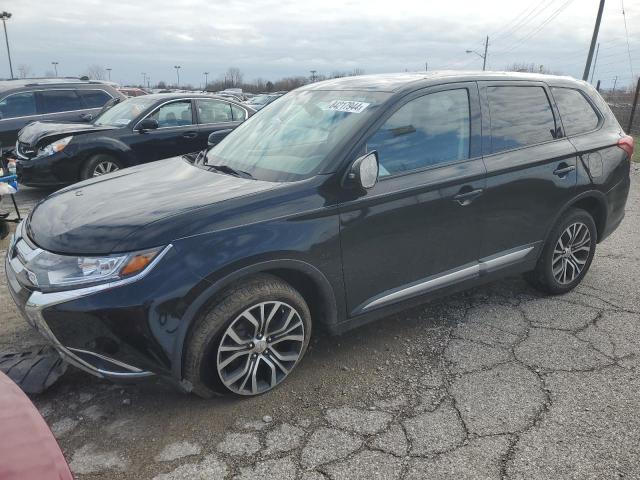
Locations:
column 595, row 62
column 6, row 16
column 55, row 67
column 108, row 73
column 177, row 67
column 615, row 80
column 206, row 80
column 483, row 57
column 426, row 66
column 313, row 75
column 144, row 78
column 587, row 67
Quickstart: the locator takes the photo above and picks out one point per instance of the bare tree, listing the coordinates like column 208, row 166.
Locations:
column 49, row 73
column 96, row 72
column 233, row 77
column 527, row 68
column 24, row 71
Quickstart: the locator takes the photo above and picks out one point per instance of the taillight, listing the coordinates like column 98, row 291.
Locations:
column 626, row 144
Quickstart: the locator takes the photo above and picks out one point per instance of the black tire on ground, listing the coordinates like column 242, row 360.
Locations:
column 94, row 161
column 543, row 278
column 201, row 345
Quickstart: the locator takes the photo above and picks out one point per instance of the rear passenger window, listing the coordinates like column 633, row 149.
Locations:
column 213, row 111
column 53, row 101
column 578, row 116
column 94, row 98
column 239, row 114
column 18, row 105
column 429, row 130
column 520, row 116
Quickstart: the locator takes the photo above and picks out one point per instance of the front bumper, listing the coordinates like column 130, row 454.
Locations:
column 32, row 304
column 50, row 171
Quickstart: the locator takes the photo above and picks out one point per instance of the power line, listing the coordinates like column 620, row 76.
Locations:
column 626, row 31
column 535, row 31
column 532, row 15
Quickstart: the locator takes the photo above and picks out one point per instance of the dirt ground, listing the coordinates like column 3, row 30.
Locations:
column 498, row 382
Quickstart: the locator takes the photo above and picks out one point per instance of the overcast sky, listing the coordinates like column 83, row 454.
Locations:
column 275, row 38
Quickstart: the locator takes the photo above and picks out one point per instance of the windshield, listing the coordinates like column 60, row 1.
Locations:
column 292, row 138
column 123, row 113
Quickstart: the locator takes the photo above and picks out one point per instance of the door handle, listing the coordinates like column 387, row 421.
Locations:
column 465, row 198
column 564, row 171
column 190, row 135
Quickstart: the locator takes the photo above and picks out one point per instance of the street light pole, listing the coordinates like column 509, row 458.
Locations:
column 177, row 67
column 55, row 67
column 108, row 73
column 206, row 80
column 483, row 57
column 6, row 16
column 144, row 78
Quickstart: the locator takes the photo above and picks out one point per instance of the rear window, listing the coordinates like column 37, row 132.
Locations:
column 578, row 116
column 18, row 105
column 520, row 116
column 94, row 98
column 53, row 101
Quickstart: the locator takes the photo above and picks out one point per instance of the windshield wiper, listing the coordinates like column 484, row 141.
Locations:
column 229, row 170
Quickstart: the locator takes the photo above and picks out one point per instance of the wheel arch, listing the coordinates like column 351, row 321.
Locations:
column 593, row 202
column 312, row 284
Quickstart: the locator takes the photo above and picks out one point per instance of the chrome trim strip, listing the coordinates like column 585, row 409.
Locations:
column 492, row 264
column 482, row 267
column 432, row 283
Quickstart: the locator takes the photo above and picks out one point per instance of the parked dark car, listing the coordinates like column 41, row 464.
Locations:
column 136, row 130
column 343, row 202
column 260, row 101
column 56, row 99
column 132, row 92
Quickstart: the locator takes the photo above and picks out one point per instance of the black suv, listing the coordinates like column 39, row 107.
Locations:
column 136, row 130
column 69, row 100
column 342, row 202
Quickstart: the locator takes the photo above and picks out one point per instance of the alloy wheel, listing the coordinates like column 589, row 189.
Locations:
column 260, row 347
column 105, row 167
column 571, row 253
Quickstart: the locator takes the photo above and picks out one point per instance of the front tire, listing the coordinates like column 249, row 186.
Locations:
column 567, row 254
column 99, row 165
column 249, row 341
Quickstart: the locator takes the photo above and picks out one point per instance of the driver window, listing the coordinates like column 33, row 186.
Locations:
column 175, row 114
column 427, row 131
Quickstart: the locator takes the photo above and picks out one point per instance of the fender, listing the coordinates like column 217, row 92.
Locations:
column 110, row 146
column 329, row 303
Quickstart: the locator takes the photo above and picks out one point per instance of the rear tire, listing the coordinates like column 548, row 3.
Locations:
column 258, row 331
column 567, row 254
column 99, row 165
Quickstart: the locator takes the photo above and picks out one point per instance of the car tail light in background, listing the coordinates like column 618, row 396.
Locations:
column 626, row 144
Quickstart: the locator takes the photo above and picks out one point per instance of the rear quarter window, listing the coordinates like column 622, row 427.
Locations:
column 94, row 98
column 578, row 116
column 520, row 116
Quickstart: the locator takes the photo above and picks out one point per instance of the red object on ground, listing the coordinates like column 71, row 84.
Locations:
column 28, row 449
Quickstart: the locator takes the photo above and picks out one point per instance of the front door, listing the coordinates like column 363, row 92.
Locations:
column 420, row 227
column 177, row 133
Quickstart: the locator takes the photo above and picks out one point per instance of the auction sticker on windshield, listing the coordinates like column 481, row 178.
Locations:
column 347, row 106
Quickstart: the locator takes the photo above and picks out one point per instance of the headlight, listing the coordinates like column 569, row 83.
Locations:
column 54, row 147
column 49, row 271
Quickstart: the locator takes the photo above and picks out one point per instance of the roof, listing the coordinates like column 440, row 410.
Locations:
column 394, row 82
column 29, row 82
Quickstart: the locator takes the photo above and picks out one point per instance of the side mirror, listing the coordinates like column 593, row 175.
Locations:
column 217, row 136
column 364, row 171
column 86, row 117
column 147, row 124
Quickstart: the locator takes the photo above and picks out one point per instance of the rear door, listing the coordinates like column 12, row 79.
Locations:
column 60, row 105
column 419, row 228
column 531, row 165
column 214, row 115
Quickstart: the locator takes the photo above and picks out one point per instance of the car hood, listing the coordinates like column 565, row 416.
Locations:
column 33, row 133
column 97, row 215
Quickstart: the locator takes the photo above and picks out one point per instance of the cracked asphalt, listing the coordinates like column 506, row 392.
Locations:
column 497, row 382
